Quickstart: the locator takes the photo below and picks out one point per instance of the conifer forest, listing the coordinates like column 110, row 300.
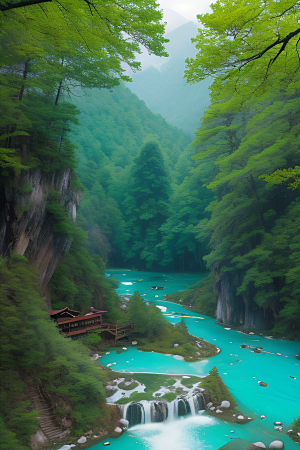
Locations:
column 114, row 174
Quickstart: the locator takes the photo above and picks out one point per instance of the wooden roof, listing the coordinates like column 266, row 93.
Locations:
column 62, row 320
column 66, row 309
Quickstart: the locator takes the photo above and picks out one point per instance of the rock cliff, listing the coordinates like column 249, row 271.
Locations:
column 25, row 227
column 239, row 310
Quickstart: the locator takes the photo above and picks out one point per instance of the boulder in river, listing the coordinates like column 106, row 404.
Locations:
column 225, row 404
column 262, row 383
column 82, row 440
column 259, row 444
column 276, row 444
column 178, row 357
column 118, row 430
column 240, row 417
column 124, row 422
column 278, row 423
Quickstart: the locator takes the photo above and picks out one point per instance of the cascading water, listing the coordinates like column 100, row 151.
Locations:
column 159, row 411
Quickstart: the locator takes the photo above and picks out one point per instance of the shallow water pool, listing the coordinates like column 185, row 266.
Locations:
column 239, row 368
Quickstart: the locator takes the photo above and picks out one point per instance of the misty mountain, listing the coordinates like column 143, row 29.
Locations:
column 165, row 91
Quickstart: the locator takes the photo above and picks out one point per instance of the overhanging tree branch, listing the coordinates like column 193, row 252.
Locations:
column 7, row 6
column 283, row 42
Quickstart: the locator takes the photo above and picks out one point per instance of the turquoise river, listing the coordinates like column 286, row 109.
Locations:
column 239, row 368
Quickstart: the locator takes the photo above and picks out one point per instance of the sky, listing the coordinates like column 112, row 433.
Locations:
column 176, row 13
column 187, row 8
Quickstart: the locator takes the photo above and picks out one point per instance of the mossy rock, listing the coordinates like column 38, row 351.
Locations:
column 128, row 387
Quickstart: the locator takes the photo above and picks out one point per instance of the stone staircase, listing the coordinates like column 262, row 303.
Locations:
column 48, row 427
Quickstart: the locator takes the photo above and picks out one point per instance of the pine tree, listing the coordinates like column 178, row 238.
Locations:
column 147, row 206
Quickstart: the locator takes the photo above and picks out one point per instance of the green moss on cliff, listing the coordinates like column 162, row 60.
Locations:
column 199, row 298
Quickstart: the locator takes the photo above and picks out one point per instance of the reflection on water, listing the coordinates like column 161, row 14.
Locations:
column 240, row 369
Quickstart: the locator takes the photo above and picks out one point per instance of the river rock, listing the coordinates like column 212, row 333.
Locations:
column 106, row 443
column 118, row 430
column 209, row 404
column 95, row 357
column 218, row 411
column 276, row 444
column 212, row 408
column 241, row 417
column 277, row 427
column 178, row 357
column 225, row 404
column 259, row 444
column 262, row 417
column 176, row 345
column 278, row 423
column 124, row 422
column 82, row 440
column 133, row 343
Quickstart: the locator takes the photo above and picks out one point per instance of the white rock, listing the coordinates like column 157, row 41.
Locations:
column 259, row 444
column 118, row 430
column 225, row 404
column 209, row 404
column 124, row 422
column 82, row 440
column 178, row 357
column 218, row 411
column 278, row 428
column 298, row 434
column 95, row 357
column 124, row 348
column 176, row 345
column 185, row 376
column 251, row 332
column 212, row 408
column 276, row 444
column 134, row 342
column 65, row 447
column 240, row 417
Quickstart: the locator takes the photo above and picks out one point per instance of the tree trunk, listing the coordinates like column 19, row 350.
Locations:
column 25, row 72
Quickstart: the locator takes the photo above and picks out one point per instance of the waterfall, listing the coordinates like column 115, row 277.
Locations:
column 196, row 403
column 133, row 412
column 146, row 411
column 160, row 411
column 172, row 410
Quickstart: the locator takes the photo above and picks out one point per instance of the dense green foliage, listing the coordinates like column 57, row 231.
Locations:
column 154, row 333
column 200, row 297
column 114, row 126
column 250, row 132
column 34, row 354
column 216, row 389
column 147, row 205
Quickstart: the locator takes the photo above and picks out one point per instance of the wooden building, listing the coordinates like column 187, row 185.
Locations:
column 72, row 324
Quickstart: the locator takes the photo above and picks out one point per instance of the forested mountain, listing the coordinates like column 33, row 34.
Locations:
column 164, row 89
column 249, row 137
column 114, row 125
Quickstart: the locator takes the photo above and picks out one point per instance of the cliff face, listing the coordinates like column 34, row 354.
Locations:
column 239, row 311
column 24, row 227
